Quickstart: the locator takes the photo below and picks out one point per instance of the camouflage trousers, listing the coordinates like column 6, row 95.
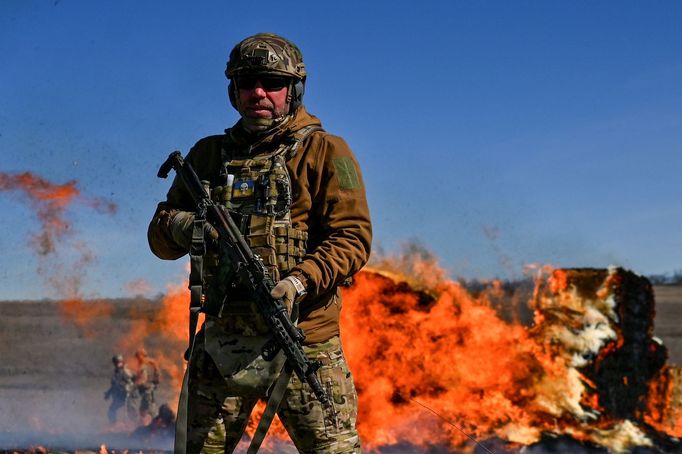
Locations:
column 217, row 418
column 118, row 402
column 147, row 408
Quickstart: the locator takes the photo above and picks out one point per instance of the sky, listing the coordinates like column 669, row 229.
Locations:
column 495, row 134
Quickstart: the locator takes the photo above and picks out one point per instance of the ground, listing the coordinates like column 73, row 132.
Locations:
column 668, row 321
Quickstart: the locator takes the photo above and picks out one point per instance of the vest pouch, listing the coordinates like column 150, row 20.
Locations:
column 262, row 241
column 239, row 360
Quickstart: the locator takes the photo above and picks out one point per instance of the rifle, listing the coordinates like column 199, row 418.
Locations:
column 250, row 268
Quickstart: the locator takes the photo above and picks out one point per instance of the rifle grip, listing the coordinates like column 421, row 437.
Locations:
column 169, row 164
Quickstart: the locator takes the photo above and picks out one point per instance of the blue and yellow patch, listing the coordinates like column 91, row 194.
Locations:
column 242, row 188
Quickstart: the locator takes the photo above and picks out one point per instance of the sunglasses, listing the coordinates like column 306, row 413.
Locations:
column 269, row 83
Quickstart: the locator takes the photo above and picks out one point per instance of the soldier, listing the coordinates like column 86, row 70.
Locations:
column 297, row 194
column 121, row 388
column 146, row 382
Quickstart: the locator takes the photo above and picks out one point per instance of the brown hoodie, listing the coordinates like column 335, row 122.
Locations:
column 328, row 202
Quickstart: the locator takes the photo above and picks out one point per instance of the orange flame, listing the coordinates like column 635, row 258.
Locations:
column 664, row 407
column 163, row 333
column 449, row 352
column 442, row 348
column 414, row 339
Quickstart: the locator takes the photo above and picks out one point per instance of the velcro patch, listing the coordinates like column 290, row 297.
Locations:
column 345, row 171
column 242, row 188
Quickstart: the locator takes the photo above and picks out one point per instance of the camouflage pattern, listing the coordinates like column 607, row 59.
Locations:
column 330, row 207
column 266, row 53
column 120, row 392
column 238, row 356
column 325, row 201
column 311, row 428
column 146, row 382
column 217, row 418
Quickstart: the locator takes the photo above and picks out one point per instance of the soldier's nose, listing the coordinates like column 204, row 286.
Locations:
column 259, row 91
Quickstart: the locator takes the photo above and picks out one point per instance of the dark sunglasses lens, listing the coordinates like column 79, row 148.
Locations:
column 268, row 83
column 273, row 83
column 247, row 83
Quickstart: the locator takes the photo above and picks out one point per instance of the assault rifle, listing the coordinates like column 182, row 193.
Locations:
column 252, row 272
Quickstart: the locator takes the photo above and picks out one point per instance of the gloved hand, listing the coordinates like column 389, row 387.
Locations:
column 289, row 289
column 181, row 226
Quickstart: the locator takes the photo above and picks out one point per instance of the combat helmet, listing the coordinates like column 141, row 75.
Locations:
column 268, row 53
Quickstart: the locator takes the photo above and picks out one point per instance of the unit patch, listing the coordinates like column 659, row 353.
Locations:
column 345, row 171
column 242, row 188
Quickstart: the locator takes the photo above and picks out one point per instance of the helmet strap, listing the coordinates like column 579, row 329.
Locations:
column 290, row 91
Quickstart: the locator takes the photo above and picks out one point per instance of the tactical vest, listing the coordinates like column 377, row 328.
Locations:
column 258, row 194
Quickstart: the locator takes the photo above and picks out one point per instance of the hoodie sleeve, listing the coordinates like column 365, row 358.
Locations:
column 340, row 230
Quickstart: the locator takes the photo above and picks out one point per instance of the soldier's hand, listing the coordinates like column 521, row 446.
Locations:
column 182, row 225
column 289, row 289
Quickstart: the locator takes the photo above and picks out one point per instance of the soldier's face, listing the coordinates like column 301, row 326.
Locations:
column 262, row 96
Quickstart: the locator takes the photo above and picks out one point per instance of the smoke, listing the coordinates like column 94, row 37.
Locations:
column 62, row 269
column 138, row 287
column 49, row 357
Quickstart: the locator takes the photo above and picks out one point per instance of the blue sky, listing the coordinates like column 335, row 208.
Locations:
column 495, row 133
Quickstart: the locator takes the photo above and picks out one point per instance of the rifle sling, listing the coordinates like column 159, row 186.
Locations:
column 278, row 390
column 196, row 277
column 196, row 282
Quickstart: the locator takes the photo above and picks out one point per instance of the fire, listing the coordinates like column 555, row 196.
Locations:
column 433, row 363
column 168, row 327
column 448, row 351
column 441, row 348
column 81, row 313
column 664, row 407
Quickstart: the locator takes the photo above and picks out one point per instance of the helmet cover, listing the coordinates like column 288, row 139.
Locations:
column 266, row 53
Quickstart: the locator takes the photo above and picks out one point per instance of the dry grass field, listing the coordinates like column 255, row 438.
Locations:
column 668, row 321
column 53, row 374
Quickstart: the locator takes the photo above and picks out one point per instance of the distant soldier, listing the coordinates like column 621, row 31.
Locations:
column 121, row 387
column 146, row 382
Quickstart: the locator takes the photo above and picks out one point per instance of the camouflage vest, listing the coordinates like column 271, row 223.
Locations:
column 257, row 192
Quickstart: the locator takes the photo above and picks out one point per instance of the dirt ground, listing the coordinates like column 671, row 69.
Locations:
column 53, row 374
